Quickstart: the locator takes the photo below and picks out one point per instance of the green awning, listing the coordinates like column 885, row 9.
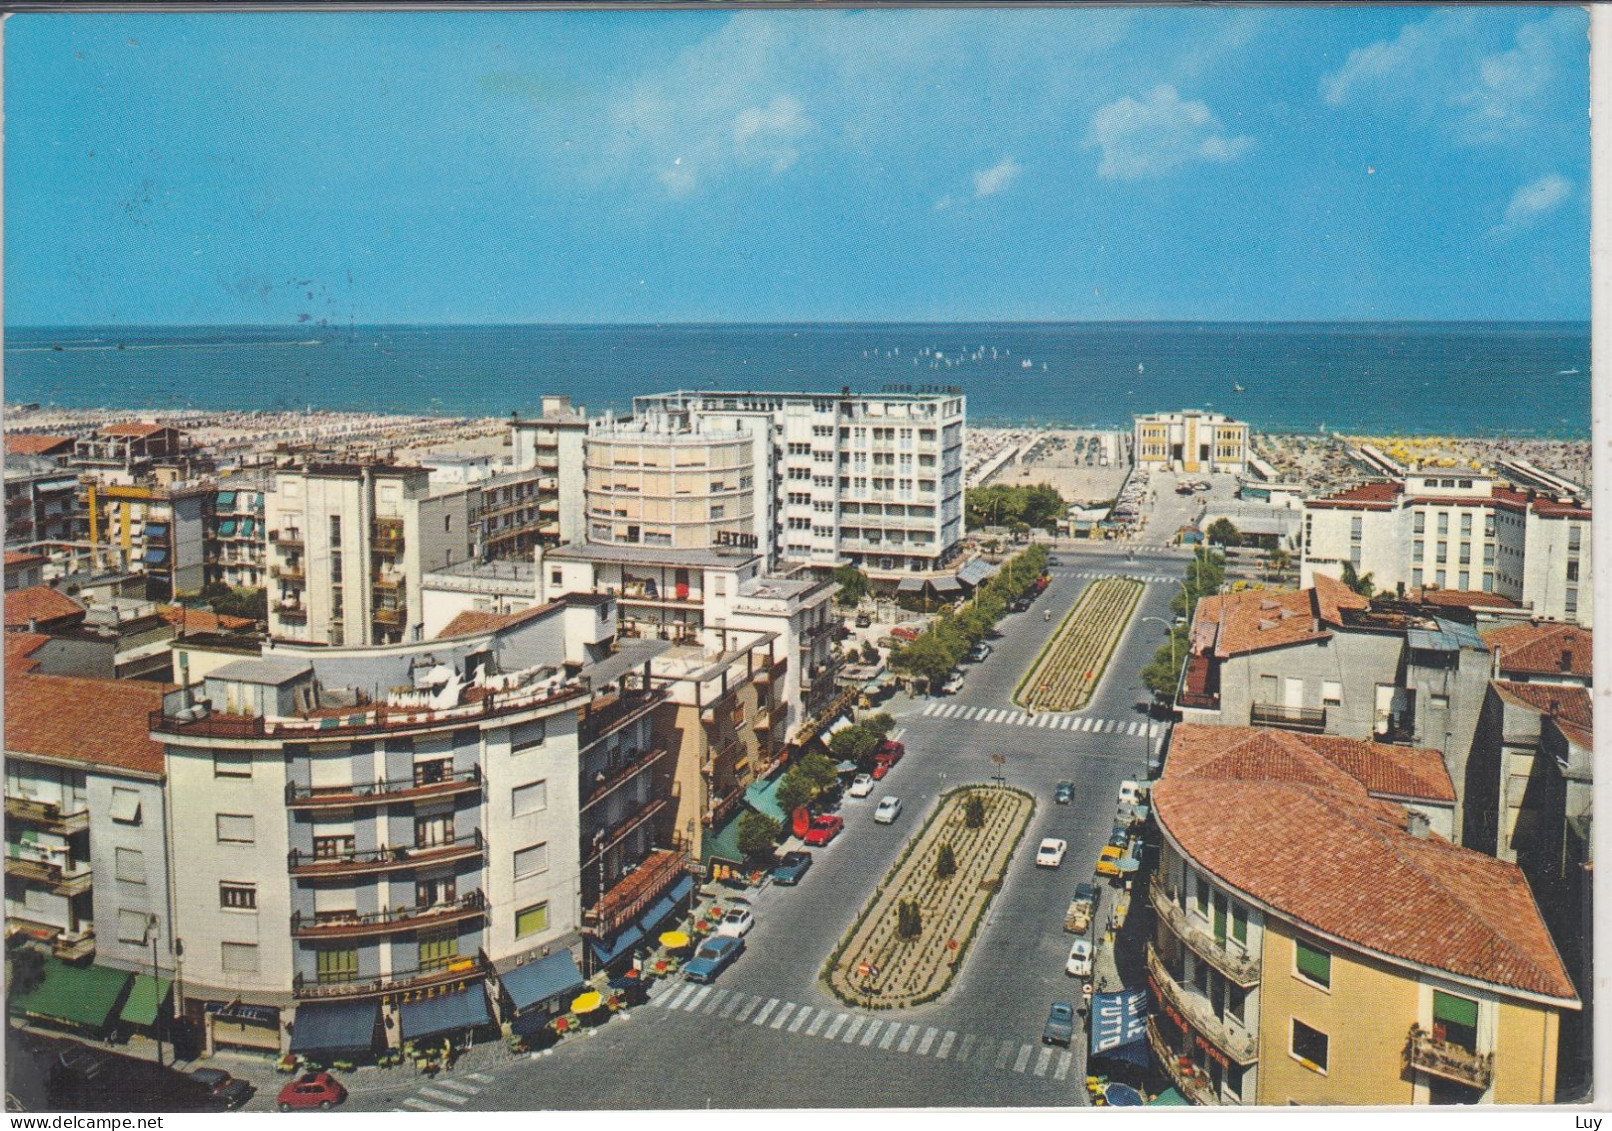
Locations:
column 145, row 999
column 763, row 798
column 1456, row 1010
column 226, row 500
column 1168, row 1098
column 85, row 996
column 723, row 844
column 227, row 528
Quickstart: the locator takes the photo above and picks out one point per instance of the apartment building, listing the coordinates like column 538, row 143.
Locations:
column 1192, row 442
column 41, row 497
column 1390, row 967
column 490, row 589
column 156, row 525
column 236, row 548
column 553, row 445
column 1468, row 533
column 873, row 480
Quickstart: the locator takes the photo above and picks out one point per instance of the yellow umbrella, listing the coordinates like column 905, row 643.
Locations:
column 587, row 1002
column 674, row 940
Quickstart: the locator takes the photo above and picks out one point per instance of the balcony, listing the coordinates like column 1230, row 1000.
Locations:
column 609, row 713
column 1242, row 970
column 611, row 783
column 48, row 814
column 389, row 581
column 634, row 892
column 381, row 792
column 1238, row 1044
column 354, row 925
column 1448, row 1062
column 1190, row 1082
column 391, row 617
column 289, row 611
column 730, row 755
column 292, row 573
column 625, row 828
column 290, row 538
column 1312, row 719
column 208, row 726
column 72, row 947
column 399, row 981
column 62, row 877
column 467, row 847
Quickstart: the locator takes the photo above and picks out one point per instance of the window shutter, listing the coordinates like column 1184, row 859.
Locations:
column 1315, row 965
column 1455, row 1010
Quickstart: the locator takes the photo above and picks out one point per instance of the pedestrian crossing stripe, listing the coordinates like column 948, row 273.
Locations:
column 853, row 1029
column 439, row 1094
column 423, row 1105
column 800, row 1018
column 458, row 1086
column 1135, row 728
column 783, row 1015
column 766, row 1011
column 694, row 1002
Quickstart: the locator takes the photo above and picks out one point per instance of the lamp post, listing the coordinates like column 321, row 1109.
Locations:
column 1170, row 629
column 152, row 930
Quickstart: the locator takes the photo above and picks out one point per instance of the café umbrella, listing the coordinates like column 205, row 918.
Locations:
column 587, row 1003
column 674, row 940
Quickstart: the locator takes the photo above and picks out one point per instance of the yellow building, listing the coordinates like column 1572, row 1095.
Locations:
column 1192, row 442
column 1316, row 943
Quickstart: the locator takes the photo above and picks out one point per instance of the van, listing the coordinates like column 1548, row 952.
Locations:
column 1132, row 793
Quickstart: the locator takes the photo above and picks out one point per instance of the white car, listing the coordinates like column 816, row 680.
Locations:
column 736, row 923
column 1050, row 854
column 1132, row 793
column 889, row 809
column 1079, row 964
column 953, row 684
column 861, row 785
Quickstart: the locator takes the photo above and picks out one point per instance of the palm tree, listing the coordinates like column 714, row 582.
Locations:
column 1361, row 583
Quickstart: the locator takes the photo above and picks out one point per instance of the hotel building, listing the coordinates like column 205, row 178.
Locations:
column 1192, row 442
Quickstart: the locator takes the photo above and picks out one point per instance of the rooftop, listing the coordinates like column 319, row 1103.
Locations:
column 41, row 604
column 470, row 622
column 1547, row 648
column 193, row 621
column 650, row 555
column 31, row 444
column 1565, row 702
column 1460, row 598
column 267, row 672
column 46, row 717
column 133, row 430
column 14, row 558
column 1356, row 873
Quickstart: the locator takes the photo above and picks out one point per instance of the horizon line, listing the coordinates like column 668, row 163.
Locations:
column 670, row 323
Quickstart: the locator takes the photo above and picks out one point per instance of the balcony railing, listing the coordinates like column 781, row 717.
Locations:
column 393, row 617
column 72, row 947
column 467, row 847
column 609, row 713
column 291, row 537
column 634, row 892
column 1288, row 718
column 1239, row 1045
column 286, row 573
column 1448, row 1061
column 1241, row 969
column 48, row 813
column 625, row 828
column 353, row 924
column 291, row 612
column 399, row 981
column 603, row 789
column 381, row 792
column 64, row 879
column 1187, row 1080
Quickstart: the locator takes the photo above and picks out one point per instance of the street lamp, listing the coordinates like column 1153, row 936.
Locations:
column 1170, row 629
column 152, row 930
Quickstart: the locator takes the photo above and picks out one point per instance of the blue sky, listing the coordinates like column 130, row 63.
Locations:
column 797, row 166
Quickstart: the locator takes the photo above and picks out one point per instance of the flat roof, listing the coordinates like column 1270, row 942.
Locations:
column 650, row 555
column 630, row 654
column 268, row 672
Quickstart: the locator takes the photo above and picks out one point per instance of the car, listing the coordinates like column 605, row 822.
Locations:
column 1064, row 793
column 229, row 1092
column 1108, row 860
column 885, row 758
column 1050, row 854
column 714, row 956
column 861, row 785
column 316, row 1089
column 1120, row 835
column 979, row 652
column 953, row 684
column 906, row 633
column 824, row 828
column 788, row 871
column 889, row 809
column 1019, row 605
column 864, row 620
column 1132, row 793
column 1054, row 561
column 736, row 923
column 1079, row 964
column 1060, row 1026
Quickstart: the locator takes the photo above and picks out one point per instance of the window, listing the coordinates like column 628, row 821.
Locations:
column 438, row 950
column 1202, row 894
column 1442, row 553
column 132, row 926
column 1438, row 578
column 1356, row 525
column 1418, row 550
column 239, row 957
column 1466, row 554
column 236, row 828
column 433, row 829
column 237, row 897
column 556, row 578
column 125, row 806
column 1455, row 1019
column 528, row 735
column 1416, row 579
column 1466, row 525
column 232, row 763
column 131, row 865
column 337, row 964
column 1575, row 536
column 1312, row 963
column 1419, row 522
column 1464, row 580
column 1572, row 573
column 1309, row 1046
column 335, row 543
column 1570, row 603
column 1331, row 693
column 1488, row 554
column 531, row 920
column 333, row 847
column 1239, row 924
column 1439, row 702
column 1488, row 583
column 1443, row 523
column 531, row 861
column 531, row 798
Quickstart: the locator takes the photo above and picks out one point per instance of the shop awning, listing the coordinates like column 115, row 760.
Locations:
column 83, row 996
column 839, row 723
column 763, row 798
column 975, row 572
column 909, row 585
column 608, row 952
column 145, row 1000
column 946, row 585
column 335, row 1026
column 1168, row 1098
column 445, row 1013
column 541, row 980
column 666, row 904
column 722, row 844
column 1118, row 1020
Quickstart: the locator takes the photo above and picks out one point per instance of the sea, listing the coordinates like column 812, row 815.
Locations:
column 1431, row 378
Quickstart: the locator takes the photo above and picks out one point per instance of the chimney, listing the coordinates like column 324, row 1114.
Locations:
column 1416, row 824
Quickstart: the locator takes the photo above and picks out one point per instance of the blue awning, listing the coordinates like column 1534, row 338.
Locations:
column 1118, row 1021
column 445, row 1013
column 156, row 555
column 541, row 980
column 335, row 1026
column 227, row 528
column 226, row 500
column 607, row 953
column 665, row 905
column 156, row 530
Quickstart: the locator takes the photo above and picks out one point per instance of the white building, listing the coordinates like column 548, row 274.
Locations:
column 1193, row 442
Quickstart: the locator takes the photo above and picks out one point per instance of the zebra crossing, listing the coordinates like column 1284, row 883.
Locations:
column 1044, row 721
column 445, row 1091
column 1094, row 574
column 859, row 1030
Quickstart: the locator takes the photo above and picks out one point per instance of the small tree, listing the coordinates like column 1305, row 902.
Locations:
column 945, row 862
column 758, row 834
column 1223, row 533
column 27, row 971
column 795, row 790
column 909, row 920
column 974, row 811
column 853, row 585
column 870, row 654
column 1361, row 583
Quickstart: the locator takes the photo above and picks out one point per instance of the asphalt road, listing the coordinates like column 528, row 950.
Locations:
column 768, row 1035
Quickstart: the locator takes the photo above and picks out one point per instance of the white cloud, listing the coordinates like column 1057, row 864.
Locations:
column 1158, row 134
column 1531, row 202
column 989, row 182
column 1439, row 66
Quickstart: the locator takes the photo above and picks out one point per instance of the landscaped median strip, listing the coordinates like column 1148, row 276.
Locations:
column 1066, row 672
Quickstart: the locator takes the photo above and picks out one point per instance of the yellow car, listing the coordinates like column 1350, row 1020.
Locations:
column 1108, row 860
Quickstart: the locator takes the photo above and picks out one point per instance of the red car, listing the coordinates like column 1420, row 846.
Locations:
column 825, row 827
column 317, row 1089
column 885, row 757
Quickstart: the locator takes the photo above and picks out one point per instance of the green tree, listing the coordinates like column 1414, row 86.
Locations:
column 1361, row 583
column 795, row 790
column 909, row 920
column 1279, row 561
column 974, row 811
column 1223, row 533
column 945, row 862
column 853, row 744
column 818, row 770
column 758, row 834
column 928, row 657
column 853, row 583
column 27, row 971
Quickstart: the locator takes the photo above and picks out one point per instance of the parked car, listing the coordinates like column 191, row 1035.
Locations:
column 979, row 652
column 906, row 633
column 953, row 684
column 1079, row 964
column 824, row 828
column 885, row 758
column 1054, row 561
column 714, row 956
column 1065, row 793
column 1019, row 605
column 861, row 785
column 864, row 620
column 226, row 1089
column 1050, row 854
column 1108, row 860
column 1132, row 793
column 736, row 923
column 889, row 809
column 1077, row 917
column 1060, row 1026
column 1120, row 835
column 316, row 1089
column 788, row 871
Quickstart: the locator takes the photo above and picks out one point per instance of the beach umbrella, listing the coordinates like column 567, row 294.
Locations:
column 674, row 940
column 588, row 1002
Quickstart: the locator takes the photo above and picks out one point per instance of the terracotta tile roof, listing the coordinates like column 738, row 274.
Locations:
column 1539, row 648
column 1581, row 736
column 1460, row 598
column 39, row 603
column 1319, row 759
column 19, row 647
column 1565, row 702
column 470, row 622
column 13, row 558
column 29, row 444
column 1332, row 597
column 49, row 716
column 135, row 430
column 203, row 620
column 1254, row 619
column 1365, row 496
column 1361, row 876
